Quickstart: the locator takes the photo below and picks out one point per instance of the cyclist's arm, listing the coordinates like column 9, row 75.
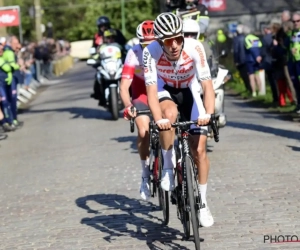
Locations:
column 204, row 77
column 127, row 76
column 151, row 84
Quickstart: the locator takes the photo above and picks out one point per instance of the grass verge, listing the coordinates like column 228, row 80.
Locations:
column 237, row 86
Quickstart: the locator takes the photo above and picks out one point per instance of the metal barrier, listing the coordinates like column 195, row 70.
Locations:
column 60, row 66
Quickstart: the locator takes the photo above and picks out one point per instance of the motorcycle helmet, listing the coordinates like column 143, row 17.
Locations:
column 103, row 21
column 203, row 19
column 175, row 3
column 190, row 4
column 109, row 35
column 191, row 28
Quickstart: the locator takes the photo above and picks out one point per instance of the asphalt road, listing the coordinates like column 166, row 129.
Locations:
column 70, row 178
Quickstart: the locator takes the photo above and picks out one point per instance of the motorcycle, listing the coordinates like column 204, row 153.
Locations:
column 109, row 69
column 218, row 84
column 219, row 79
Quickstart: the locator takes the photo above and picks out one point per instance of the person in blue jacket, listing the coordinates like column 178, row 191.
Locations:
column 253, row 47
column 239, row 56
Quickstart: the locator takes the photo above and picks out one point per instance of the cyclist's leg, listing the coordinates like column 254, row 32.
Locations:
column 169, row 111
column 142, row 123
column 198, row 149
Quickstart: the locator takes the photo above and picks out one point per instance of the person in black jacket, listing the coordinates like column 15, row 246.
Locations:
column 267, row 48
column 279, row 56
column 103, row 24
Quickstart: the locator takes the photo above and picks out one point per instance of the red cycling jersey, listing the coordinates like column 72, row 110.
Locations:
column 133, row 70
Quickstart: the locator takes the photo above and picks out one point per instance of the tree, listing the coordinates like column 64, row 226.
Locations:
column 76, row 19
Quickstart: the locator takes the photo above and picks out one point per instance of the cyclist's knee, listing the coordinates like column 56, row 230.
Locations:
column 199, row 147
column 143, row 133
column 142, row 123
column 170, row 113
column 201, row 152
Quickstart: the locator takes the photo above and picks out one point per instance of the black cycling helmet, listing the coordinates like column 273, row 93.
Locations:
column 175, row 3
column 103, row 20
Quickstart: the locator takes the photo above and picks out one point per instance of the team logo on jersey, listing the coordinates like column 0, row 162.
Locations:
column 163, row 61
column 185, row 56
column 146, row 58
column 180, row 71
column 201, row 55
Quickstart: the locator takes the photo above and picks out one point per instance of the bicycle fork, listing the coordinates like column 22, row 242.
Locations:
column 179, row 195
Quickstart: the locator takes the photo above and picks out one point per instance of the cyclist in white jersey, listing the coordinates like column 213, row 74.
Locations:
column 133, row 76
column 175, row 70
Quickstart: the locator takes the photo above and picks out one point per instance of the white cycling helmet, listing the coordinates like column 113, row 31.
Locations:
column 191, row 26
column 139, row 32
column 167, row 24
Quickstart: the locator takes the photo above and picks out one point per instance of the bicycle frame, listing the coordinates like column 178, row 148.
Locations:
column 184, row 149
column 154, row 147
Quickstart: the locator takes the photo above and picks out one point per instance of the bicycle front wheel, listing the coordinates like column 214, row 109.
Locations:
column 192, row 191
column 163, row 196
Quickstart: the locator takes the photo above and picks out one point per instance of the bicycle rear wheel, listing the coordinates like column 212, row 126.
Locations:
column 163, row 196
column 192, row 191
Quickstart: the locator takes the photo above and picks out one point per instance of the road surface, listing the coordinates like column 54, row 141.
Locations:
column 69, row 179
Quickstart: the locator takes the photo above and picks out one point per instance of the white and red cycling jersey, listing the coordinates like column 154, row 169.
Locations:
column 187, row 72
column 133, row 70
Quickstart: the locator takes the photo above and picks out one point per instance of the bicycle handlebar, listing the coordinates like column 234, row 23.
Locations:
column 212, row 123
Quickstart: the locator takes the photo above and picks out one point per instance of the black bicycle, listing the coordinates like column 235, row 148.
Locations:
column 156, row 165
column 186, row 194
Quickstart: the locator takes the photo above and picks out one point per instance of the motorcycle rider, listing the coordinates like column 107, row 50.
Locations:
column 109, row 38
column 103, row 24
column 133, row 76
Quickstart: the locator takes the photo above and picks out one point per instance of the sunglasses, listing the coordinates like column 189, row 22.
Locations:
column 169, row 41
column 296, row 21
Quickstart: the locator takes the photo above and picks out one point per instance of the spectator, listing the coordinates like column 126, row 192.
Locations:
column 288, row 28
column 27, row 66
column 294, row 66
column 267, row 41
column 253, row 60
column 51, row 47
column 2, row 135
column 283, row 36
column 6, row 79
column 239, row 55
column 11, row 48
column 279, row 61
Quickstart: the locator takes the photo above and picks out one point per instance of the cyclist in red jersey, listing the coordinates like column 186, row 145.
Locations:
column 133, row 75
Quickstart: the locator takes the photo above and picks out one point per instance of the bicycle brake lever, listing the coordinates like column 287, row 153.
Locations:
column 214, row 127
